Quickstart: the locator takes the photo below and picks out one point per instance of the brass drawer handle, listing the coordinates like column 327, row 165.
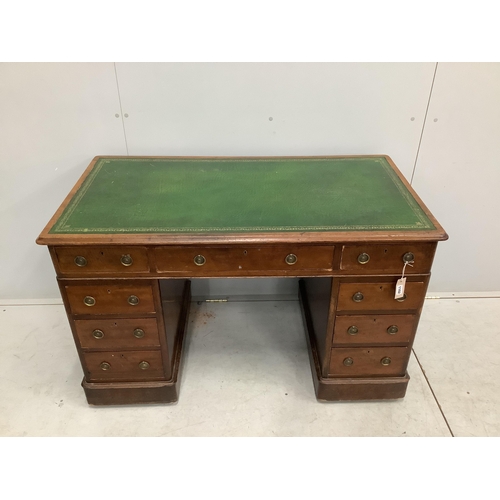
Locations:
column 393, row 329
column 89, row 301
column 138, row 333
column 358, row 297
column 363, row 258
column 80, row 261
column 105, row 366
column 385, row 361
column 291, row 259
column 133, row 300
column 98, row 334
column 408, row 257
column 126, row 260
column 199, row 260
column 143, row 365
column 348, row 362
column 352, row 330
column 402, row 298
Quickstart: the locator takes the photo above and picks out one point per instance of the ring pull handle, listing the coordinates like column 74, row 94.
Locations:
column 126, row 260
column 80, row 261
column 348, row 362
column 363, row 258
column 352, row 330
column 385, row 361
column 393, row 329
column 138, row 333
column 89, row 301
column 105, row 366
column 199, row 260
column 98, row 334
column 408, row 257
column 358, row 297
column 133, row 300
column 291, row 259
column 144, row 365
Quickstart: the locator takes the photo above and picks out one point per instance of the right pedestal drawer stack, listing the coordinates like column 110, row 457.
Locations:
column 372, row 331
column 359, row 332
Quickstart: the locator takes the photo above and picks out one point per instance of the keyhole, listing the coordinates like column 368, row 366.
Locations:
column 244, row 252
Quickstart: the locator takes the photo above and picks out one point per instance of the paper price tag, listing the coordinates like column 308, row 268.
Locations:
column 400, row 288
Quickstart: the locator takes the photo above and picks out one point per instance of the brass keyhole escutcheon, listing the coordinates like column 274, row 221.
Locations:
column 393, row 329
column 291, row 259
column 385, row 361
column 105, row 365
column 348, row 362
column 89, row 301
column 133, row 300
column 199, row 260
column 80, row 261
column 402, row 298
column 98, row 334
column 408, row 257
column 143, row 365
column 126, row 260
column 138, row 333
column 358, row 297
column 363, row 258
column 353, row 330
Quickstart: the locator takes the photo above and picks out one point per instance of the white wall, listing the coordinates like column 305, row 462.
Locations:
column 55, row 117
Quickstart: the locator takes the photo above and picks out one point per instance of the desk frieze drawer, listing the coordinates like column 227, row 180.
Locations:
column 380, row 296
column 374, row 329
column 370, row 361
column 117, row 333
column 87, row 260
column 207, row 260
column 123, row 365
column 387, row 259
column 110, row 299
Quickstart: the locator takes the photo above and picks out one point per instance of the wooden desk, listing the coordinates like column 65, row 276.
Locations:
column 134, row 230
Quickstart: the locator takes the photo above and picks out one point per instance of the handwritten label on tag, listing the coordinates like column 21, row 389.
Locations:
column 400, row 288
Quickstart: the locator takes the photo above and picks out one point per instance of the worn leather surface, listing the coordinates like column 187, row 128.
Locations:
column 154, row 195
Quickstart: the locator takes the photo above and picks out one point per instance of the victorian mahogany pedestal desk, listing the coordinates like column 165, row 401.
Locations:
column 134, row 230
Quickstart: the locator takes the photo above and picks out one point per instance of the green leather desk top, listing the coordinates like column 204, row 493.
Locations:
column 182, row 195
column 167, row 199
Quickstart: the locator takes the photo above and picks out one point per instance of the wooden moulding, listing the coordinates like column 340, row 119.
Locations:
column 159, row 392
column 346, row 389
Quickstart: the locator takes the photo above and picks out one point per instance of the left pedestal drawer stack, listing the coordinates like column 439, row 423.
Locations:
column 118, row 321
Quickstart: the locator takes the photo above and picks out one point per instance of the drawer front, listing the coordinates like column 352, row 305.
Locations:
column 374, row 329
column 203, row 260
column 387, row 259
column 371, row 361
column 379, row 296
column 117, row 333
column 100, row 260
column 124, row 365
column 110, row 299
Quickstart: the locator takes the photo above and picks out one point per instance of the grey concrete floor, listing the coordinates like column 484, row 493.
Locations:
column 247, row 373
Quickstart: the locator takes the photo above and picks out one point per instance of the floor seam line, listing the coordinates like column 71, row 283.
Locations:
column 433, row 394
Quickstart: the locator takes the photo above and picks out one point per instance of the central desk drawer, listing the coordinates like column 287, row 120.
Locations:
column 370, row 361
column 204, row 260
column 117, row 333
column 110, row 299
column 379, row 296
column 124, row 365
